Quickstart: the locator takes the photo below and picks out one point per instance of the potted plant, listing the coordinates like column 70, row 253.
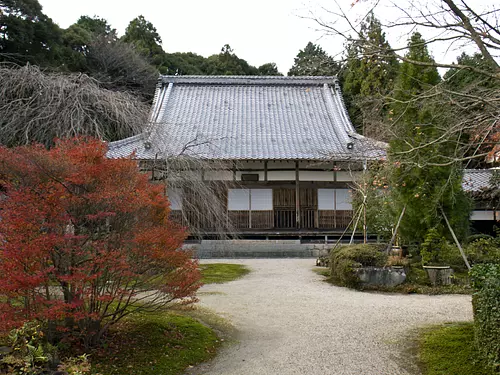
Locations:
column 433, row 251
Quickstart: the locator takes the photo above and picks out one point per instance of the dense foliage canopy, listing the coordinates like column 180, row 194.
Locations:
column 85, row 240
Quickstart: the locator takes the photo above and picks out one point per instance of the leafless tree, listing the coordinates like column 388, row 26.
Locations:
column 468, row 116
column 119, row 67
column 39, row 107
column 183, row 166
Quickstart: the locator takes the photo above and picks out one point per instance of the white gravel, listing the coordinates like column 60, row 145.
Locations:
column 291, row 322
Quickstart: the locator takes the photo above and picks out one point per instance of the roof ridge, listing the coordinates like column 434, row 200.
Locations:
column 126, row 141
column 250, row 80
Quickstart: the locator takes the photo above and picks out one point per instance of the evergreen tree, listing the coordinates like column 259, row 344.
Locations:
column 144, row 36
column 314, row 61
column 269, row 69
column 227, row 63
column 183, row 63
column 464, row 79
column 425, row 178
column 368, row 76
column 27, row 34
column 97, row 26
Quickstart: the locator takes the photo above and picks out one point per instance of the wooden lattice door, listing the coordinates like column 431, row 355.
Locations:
column 284, row 208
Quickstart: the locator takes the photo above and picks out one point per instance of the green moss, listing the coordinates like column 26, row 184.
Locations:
column 322, row 271
column 160, row 343
column 450, row 350
column 345, row 260
column 218, row 273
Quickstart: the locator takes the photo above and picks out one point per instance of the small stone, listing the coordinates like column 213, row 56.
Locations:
column 5, row 350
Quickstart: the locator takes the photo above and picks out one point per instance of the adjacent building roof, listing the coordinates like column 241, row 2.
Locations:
column 243, row 118
column 475, row 180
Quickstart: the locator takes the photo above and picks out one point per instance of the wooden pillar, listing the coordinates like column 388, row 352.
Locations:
column 250, row 208
column 297, row 195
column 265, row 171
column 335, row 208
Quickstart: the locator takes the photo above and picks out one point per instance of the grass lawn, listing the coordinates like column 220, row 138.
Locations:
column 150, row 344
column 449, row 350
column 218, row 273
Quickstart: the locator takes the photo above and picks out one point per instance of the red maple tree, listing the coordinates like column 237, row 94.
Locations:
column 85, row 240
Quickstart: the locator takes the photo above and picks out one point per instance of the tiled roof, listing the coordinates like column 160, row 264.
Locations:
column 475, row 180
column 239, row 117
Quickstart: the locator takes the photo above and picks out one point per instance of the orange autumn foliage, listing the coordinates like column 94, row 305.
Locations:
column 85, row 240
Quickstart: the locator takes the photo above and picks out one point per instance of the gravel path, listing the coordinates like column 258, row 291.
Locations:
column 291, row 322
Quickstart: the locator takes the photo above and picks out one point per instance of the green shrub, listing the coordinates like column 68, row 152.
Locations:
column 432, row 248
column 345, row 260
column 31, row 353
column 483, row 250
column 480, row 236
column 486, row 306
column 436, row 250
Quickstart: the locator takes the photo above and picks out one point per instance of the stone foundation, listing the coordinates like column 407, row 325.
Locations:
column 258, row 249
column 381, row 276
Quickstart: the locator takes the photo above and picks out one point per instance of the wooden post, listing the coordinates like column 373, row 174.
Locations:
column 250, row 208
column 297, row 195
column 265, row 171
column 365, row 189
column 335, row 208
column 464, row 257
column 393, row 238
column 356, row 225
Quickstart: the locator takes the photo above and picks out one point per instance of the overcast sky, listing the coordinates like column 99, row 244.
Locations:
column 259, row 31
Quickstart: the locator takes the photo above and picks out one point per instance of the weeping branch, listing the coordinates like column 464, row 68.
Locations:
column 38, row 107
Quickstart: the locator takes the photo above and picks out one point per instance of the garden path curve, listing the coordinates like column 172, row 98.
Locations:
column 289, row 321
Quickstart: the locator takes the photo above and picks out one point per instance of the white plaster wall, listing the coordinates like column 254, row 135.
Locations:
column 343, row 199
column 482, row 215
column 186, row 175
column 347, row 176
column 326, row 199
column 238, row 199
column 315, row 176
column 261, row 199
column 219, row 175
column 175, row 198
column 281, row 175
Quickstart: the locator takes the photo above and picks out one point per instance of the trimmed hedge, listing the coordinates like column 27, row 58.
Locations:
column 344, row 261
column 486, row 306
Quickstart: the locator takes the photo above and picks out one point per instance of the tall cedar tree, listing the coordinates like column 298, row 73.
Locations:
column 141, row 33
column 482, row 114
column 85, row 240
column 368, row 76
column 314, row 61
column 424, row 178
